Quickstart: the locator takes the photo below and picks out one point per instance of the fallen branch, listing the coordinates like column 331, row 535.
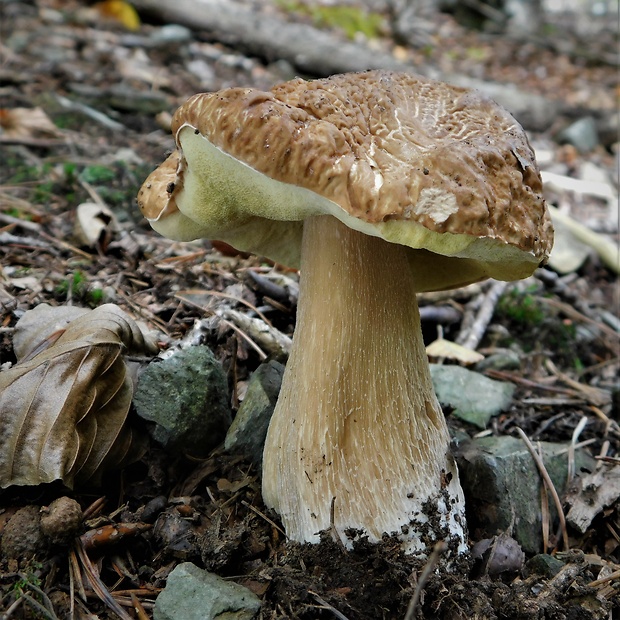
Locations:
column 470, row 338
column 320, row 53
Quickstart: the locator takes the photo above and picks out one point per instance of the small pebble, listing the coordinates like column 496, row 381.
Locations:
column 22, row 537
column 61, row 520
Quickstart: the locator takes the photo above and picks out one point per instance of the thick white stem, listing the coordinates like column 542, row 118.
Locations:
column 357, row 422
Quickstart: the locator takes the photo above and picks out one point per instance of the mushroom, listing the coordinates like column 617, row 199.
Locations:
column 378, row 185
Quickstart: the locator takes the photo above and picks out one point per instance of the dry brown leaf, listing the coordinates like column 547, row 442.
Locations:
column 594, row 492
column 64, row 405
column 442, row 348
column 22, row 123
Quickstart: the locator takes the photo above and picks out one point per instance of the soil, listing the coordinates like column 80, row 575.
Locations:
column 109, row 93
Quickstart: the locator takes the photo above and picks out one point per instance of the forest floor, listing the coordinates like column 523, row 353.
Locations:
column 105, row 95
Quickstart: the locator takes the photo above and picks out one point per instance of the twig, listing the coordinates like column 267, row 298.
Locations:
column 12, row 609
column 575, row 315
column 508, row 376
column 545, row 517
column 98, row 586
column 268, row 288
column 66, row 246
column 138, row 608
column 97, row 116
column 545, row 476
column 264, row 516
column 31, row 242
column 327, row 606
column 28, row 141
column 47, row 604
column 237, row 330
column 94, row 509
column 18, row 221
column 181, row 295
column 34, row 604
column 594, row 396
column 602, row 580
column 438, row 549
column 75, row 578
column 268, row 338
column 571, row 449
column 471, row 337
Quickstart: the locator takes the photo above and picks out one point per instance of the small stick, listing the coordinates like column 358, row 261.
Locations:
column 97, row 585
column 180, row 295
column 67, row 246
column 327, row 606
column 17, row 221
column 571, row 449
column 266, row 337
column 602, row 580
column 94, row 509
column 545, row 514
column 438, row 549
column 575, row 315
column 471, row 337
column 34, row 604
column 138, row 608
column 30, row 242
column 95, row 115
column 264, row 516
column 244, row 336
column 545, row 476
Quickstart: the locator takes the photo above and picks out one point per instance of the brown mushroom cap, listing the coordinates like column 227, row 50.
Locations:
column 438, row 168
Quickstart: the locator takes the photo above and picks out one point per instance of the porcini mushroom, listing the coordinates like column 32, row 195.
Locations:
column 378, row 185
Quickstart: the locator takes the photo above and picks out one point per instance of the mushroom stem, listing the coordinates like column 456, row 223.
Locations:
column 357, row 422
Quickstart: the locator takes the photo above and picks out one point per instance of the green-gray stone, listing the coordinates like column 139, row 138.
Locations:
column 502, row 486
column 195, row 594
column 247, row 433
column 503, row 359
column 473, row 397
column 544, row 564
column 186, row 397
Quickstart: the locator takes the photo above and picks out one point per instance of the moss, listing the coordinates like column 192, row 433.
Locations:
column 350, row 19
column 522, row 308
column 536, row 326
column 97, row 174
column 77, row 288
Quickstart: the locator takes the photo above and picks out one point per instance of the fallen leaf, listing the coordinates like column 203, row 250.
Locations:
column 64, row 405
column 94, row 224
column 20, row 123
column 121, row 12
column 594, row 492
column 442, row 348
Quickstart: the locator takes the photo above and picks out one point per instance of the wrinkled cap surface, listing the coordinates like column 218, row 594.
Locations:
column 438, row 168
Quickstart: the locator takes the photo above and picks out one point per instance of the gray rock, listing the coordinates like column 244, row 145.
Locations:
column 502, row 486
column 473, row 397
column 195, row 594
column 247, row 433
column 582, row 134
column 186, row 396
column 545, row 565
column 502, row 359
column 171, row 33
